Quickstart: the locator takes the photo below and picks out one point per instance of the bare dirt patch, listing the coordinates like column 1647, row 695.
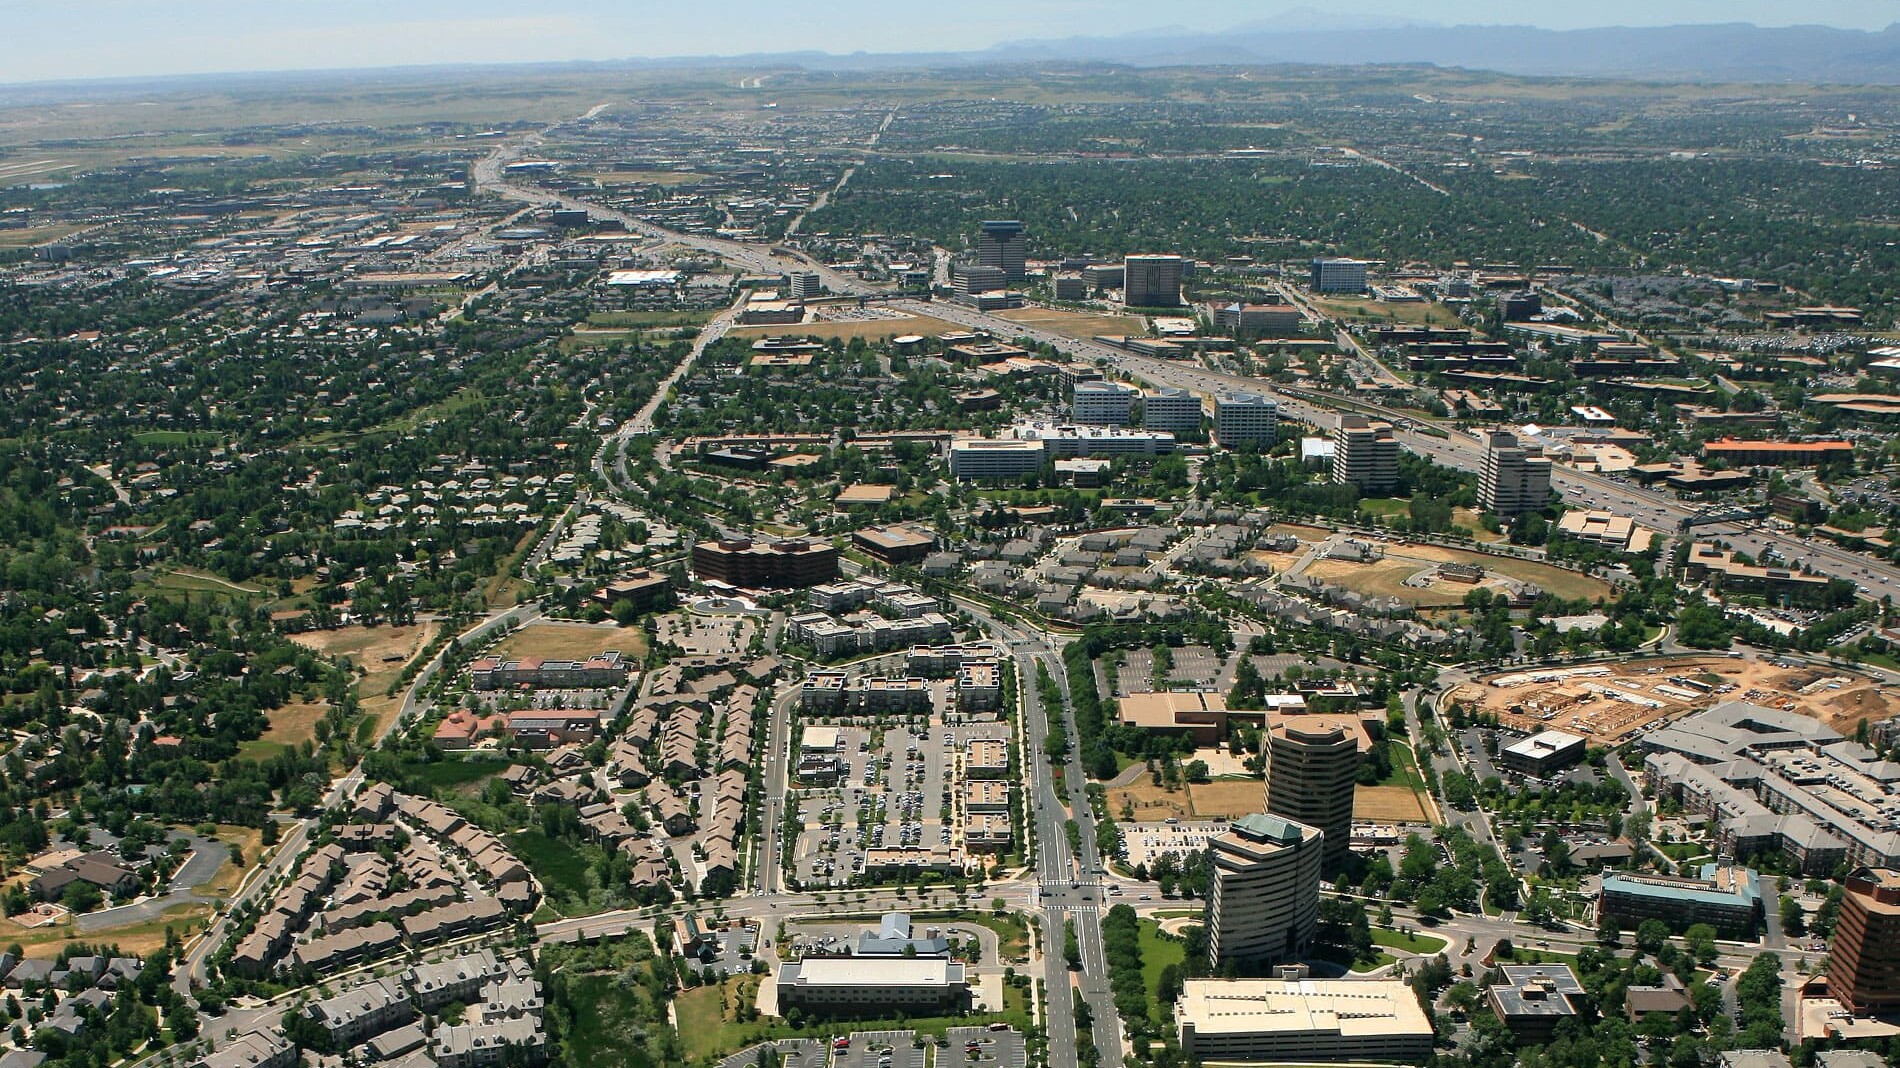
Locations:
column 1148, row 803
column 1610, row 703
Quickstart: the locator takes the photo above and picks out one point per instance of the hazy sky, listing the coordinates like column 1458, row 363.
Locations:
column 56, row 39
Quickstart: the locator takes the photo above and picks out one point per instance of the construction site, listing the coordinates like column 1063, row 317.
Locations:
column 1611, row 703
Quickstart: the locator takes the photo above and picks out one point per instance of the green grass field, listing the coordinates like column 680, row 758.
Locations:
column 1157, row 952
column 1411, row 943
column 455, row 772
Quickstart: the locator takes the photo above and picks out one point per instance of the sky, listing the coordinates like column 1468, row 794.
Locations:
column 68, row 39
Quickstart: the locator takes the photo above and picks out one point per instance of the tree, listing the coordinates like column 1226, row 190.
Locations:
column 1651, row 935
column 1794, row 920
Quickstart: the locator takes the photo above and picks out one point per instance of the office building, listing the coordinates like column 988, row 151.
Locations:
column 1151, row 281
column 897, row 544
column 1727, row 898
column 1366, row 455
column 1259, row 320
column 1534, row 998
column 1516, row 475
column 1001, row 244
column 1103, row 403
column 750, row 564
column 985, row 459
column 803, row 284
column 976, row 278
column 1542, row 753
column 1302, row 1021
column 1263, row 906
column 1064, row 441
column 870, row 985
column 1312, row 768
column 1071, row 287
column 1245, row 419
column 1172, row 409
column 1104, row 275
column 1863, row 965
column 1339, row 276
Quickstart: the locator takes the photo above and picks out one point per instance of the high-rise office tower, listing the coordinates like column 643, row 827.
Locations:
column 1151, row 281
column 1000, row 243
column 1312, row 768
column 1365, row 454
column 1263, row 905
column 1516, row 475
column 1863, row 966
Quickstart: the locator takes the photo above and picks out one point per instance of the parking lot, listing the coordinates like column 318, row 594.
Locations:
column 880, row 1049
column 979, row 1047
column 899, row 787
column 1146, row 841
column 791, row 1052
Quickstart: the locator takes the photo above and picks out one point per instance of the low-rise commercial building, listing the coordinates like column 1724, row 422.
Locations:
column 1533, row 999
column 1727, row 898
column 851, row 985
column 1542, row 753
column 1302, row 1021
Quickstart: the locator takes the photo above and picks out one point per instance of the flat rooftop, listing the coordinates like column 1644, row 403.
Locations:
column 1349, row 1007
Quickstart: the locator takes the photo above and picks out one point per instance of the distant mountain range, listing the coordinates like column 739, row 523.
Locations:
column 1721, row 52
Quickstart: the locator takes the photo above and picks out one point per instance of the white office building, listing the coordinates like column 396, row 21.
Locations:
column 1302, row 1021
column 862, row 983
column 1245, row 419
column 1172, row 409
column 986, row 459
column 1103, row 403
column 1516, row 475
column 1365, row 454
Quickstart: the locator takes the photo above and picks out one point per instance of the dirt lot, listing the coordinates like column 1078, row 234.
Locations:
column 1075, row 324
column 571, row 641
column 1150, row 803
column 1387, row 804
column 1581, row 700
column 1227, row 799
column 873, row 330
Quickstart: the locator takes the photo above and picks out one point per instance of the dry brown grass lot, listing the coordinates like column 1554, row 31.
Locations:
column 571, row 641
column 1386, row 577
column 1075, row 323
column 872, row 330
column 1226, row 799
column 295, row 722
column 1387, row 804
column 379, row 653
